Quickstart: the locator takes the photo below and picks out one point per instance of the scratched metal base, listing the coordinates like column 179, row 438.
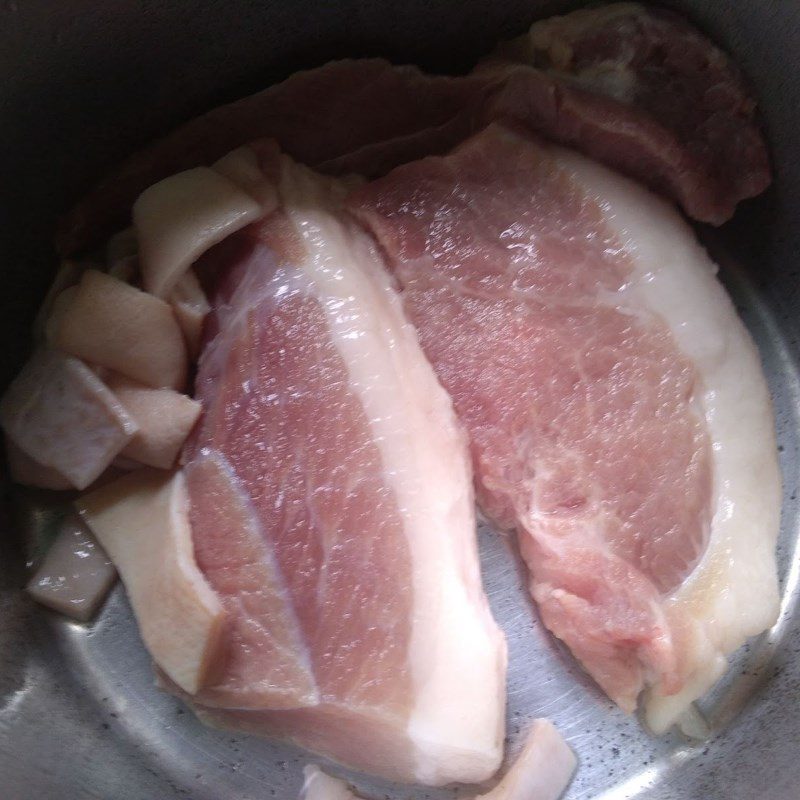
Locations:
column 81, row 718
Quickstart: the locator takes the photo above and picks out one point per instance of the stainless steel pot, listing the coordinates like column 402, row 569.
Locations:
column 84, row 83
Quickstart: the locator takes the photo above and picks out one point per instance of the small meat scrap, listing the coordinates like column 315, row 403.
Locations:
column 75, row 574
column 164, row 417
column 180, row 217
column 110, row 324
column 62, row 416
column 618, row 414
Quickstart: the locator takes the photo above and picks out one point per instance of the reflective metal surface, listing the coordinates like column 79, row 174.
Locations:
column 79, row 715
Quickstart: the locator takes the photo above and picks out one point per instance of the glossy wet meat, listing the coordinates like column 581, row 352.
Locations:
column 331, row 508
column 588, row 400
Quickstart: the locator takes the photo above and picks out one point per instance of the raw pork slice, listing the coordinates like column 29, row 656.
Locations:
column 618, row 416
column 637, row 88
column 641, row 90
column 332, row 511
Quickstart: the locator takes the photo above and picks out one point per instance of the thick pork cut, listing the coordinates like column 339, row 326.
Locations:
column 332, row 507
column 618, row 416
column 634, row 87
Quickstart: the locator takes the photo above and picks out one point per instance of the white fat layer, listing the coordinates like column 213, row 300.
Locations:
column 457, row 653
column 733, row 592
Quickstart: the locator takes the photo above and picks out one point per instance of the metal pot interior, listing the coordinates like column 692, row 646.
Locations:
column 84, row 84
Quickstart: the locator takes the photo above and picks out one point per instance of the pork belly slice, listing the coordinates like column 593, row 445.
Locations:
column 141, row 520
column 616, row 408
column 541, row 771
column 64, row 420
column 324, row 427
column 637, row 88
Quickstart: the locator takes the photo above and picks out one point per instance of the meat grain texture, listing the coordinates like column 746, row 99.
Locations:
column 617, row 412
column 332, row 507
